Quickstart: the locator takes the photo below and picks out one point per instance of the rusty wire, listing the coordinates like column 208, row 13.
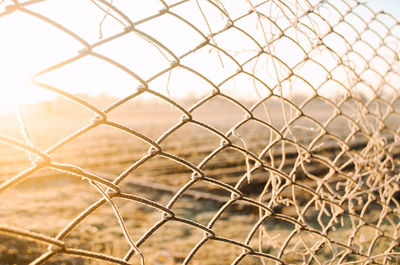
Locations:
column 355, row 178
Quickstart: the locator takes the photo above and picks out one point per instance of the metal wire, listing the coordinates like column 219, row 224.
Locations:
column 358, row 177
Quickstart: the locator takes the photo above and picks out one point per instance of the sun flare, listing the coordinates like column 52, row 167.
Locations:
column 16, row 88
column 23, row 52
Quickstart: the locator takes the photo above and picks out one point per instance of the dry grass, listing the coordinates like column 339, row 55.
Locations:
column 49, row 200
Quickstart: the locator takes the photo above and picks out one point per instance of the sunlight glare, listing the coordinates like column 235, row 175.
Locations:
column 24, row 50
column 16, row 87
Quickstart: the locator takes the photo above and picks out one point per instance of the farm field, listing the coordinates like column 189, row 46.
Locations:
column 48, row 200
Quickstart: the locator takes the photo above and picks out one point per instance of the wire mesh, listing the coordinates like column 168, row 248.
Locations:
column 322, row 163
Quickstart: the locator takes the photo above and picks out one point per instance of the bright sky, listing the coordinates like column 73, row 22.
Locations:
column 390, row 6
column 29, row 45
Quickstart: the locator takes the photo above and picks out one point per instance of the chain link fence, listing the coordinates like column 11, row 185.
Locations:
column 316, row 140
